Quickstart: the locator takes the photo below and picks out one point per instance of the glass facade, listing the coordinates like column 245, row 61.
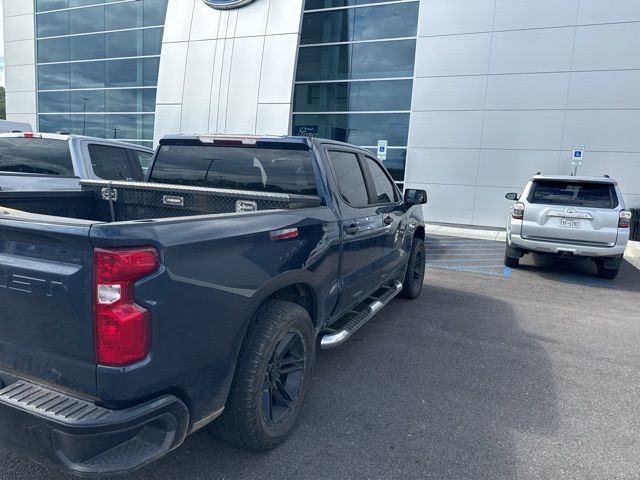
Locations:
column 354, row 76
column 97, row 66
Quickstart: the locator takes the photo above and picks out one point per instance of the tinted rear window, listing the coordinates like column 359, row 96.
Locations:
column 259, row 169
column 574, row 194
column 36, row 156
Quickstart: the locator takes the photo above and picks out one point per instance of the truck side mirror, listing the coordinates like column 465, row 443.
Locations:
column 512, row 196
column 415, row 197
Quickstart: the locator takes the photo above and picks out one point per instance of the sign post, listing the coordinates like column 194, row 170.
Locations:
column 577, row 158
column 382, row 150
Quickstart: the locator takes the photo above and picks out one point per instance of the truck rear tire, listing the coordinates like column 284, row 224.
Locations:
column 414, row 276
column 272, row 378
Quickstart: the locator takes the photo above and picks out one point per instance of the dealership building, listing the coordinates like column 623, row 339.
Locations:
column 469, row 97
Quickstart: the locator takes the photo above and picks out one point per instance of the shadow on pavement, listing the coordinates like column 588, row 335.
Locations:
column 580, row 272
column 440, row 387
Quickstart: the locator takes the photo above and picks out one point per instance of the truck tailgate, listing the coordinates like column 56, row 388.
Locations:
column 46, row 312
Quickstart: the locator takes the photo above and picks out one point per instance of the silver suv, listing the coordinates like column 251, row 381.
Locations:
column 571, row 217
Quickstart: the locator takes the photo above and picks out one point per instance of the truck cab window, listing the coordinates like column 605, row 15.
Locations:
column 351, row 182
column 112, row 163
column 143, row 158
column 385, row 192
column 39, row 156
column 237, row 168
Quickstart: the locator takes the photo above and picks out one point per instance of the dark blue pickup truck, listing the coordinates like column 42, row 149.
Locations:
column 135, row 313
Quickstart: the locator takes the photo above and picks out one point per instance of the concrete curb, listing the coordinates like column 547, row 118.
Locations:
column 632, row 255
column 466, row 232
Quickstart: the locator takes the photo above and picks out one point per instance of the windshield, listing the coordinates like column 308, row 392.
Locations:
column 574, row 194
column 239, row 168
column 36, row 156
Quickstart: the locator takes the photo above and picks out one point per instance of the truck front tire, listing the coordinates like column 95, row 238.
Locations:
column 414, row 276
column 272, row 378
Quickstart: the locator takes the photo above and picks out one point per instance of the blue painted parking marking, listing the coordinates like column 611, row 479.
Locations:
column 467, row 255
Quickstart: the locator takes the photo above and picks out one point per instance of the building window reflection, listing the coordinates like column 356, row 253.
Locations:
column 354, row 75
column 97, row 66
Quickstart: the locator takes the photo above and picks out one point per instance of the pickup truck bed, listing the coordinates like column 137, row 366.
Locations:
column 159, row 302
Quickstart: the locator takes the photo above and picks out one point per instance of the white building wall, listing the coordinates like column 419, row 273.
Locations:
column 228, row 71
column 505, row 88
column 20, row 69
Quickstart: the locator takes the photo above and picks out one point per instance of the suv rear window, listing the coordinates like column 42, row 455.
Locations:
column 574, row 194
column 40, row 156
column 238, row 168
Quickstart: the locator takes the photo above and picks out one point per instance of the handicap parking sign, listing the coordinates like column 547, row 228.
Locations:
column 577, row 156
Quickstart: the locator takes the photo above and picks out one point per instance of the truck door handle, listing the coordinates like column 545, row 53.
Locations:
column 388, row 220
column 352, row 229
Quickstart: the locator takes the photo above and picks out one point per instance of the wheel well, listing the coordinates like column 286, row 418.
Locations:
column 300, row 294
column 419, row 233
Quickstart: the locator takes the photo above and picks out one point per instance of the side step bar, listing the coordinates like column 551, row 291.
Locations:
column 359, row 316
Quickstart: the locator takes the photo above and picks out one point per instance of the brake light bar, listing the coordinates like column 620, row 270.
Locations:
column 224, row 140
column 625, row 219
column 32, row 135
column 122, row 327
column 518, row 211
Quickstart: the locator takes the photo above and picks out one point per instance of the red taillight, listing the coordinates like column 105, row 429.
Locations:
column 625, row 219
column 122, row 328
column 31, row 135
column 518, row 211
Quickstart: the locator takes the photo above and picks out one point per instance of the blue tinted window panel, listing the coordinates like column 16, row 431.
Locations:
column 56, row 76
column 87, row 100
column 88, row 75
column 388, row 95
column 155, row 12
column 319, row 4
column 92, row 125
column 123, row 15
column 358, row 129
column 85, row 20
column 54, row 123
column 52, row 24
column 396, row 20
column 46, row 5
column 54, row 102
column 87, row 47
column 357, row 61
column 54, row 50
column 129, row 127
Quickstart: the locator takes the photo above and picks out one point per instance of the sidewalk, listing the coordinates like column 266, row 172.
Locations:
column 468, row 232
column 632, row 255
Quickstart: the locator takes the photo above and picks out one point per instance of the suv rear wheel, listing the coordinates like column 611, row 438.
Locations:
column 608, row 273
column 512, row 257
column 272, row 378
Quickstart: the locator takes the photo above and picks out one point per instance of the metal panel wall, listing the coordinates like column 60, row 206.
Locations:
column 505, row 88
column 228, row 71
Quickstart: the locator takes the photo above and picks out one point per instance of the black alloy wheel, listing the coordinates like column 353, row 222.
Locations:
column 283, row 378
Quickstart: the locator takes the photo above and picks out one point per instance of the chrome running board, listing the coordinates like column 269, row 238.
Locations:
column 355, row 319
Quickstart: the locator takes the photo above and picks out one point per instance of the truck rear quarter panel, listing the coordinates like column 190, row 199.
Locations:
column 216, row 272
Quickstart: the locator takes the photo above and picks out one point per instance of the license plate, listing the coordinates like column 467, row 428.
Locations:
column 570, row 223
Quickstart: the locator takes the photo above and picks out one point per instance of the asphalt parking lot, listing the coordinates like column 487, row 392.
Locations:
column 493, row 373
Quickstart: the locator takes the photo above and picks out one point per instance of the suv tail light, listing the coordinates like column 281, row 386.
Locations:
column 518, row 211
column 625, row 219
column 122, row 328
